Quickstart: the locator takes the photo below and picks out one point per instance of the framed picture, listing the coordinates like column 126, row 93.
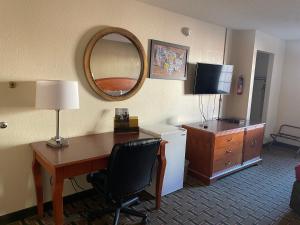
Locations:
column 168, row 61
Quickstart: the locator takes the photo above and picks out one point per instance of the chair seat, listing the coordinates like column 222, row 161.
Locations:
column 297, row 168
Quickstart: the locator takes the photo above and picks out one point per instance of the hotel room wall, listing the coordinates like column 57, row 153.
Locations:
column 275, row 46
column 46, row 40
column 289, row 107
column 244, row 45
column 241, row 56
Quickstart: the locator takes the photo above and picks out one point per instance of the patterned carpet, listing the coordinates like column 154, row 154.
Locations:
column 258, row 195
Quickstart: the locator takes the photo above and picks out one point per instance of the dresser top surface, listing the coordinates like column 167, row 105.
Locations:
column 217, row 126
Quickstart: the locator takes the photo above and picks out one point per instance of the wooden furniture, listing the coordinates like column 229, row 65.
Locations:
column 84, row 154
column 222, row 148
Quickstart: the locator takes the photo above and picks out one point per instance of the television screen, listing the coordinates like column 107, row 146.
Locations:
column 213, row 79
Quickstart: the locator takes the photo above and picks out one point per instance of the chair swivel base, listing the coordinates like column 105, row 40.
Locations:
column 121, row 208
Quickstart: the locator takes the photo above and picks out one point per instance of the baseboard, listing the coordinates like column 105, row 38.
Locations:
column 282, row 144
column 24, row 213
column 266, row 144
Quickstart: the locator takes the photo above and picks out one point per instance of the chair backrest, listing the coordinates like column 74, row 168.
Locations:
column 130, row 167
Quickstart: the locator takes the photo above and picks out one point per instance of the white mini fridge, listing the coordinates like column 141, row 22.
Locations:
column 175, row 156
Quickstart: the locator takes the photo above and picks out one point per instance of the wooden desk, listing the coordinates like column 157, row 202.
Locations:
column 84, row 154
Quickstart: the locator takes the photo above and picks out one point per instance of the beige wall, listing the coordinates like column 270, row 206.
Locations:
column 270, row 44
column 41, row 39
column 289, row 107
column 241, row 56
column 244, row 46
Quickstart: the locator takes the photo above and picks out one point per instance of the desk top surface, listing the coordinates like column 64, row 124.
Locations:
column 218, row 126
column 84, row 148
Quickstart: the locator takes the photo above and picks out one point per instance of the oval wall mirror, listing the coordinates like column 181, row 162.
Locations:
column 115, row 64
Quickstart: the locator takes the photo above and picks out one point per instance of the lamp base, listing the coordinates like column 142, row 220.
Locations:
column 58, row 142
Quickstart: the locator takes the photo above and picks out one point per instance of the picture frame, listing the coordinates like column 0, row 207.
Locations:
column 168, row 61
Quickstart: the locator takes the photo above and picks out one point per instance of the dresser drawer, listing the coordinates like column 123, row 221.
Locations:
column 229, row 150
column 229, row 139
column 227, row 161
column 253, row 143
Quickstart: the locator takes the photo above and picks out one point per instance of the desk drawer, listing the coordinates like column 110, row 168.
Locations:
column 227, row 161
column 229, row 150
column 229, row 139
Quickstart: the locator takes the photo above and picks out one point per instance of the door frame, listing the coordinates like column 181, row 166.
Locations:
column 268, row 84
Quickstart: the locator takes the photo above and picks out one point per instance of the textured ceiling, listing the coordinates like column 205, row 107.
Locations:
column 280, row 18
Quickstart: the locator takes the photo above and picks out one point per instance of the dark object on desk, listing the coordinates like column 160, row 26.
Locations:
column 234, row 120
column 129, row 172
column 130, row 125
column 287, row 132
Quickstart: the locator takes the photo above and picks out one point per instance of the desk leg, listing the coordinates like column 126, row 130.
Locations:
column 162, row 162
column 57, row 198
column 37, row 175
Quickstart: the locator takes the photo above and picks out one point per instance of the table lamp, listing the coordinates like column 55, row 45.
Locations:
column 57, row 95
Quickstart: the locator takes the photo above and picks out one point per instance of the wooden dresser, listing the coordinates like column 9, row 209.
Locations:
column 222, row 148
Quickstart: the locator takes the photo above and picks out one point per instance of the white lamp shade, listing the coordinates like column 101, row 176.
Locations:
column 57, row 94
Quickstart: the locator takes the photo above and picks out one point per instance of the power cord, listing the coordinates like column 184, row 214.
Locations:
column 214, row 107
column 75, row 184
column 207, row 107
column 200, row 105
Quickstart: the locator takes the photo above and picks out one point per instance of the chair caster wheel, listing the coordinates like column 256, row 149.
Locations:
column 145, row 221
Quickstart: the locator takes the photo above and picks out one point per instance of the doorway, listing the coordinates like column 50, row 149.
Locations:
column 261, row 86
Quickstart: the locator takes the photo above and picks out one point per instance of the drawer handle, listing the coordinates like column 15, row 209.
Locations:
column 228, row 163
column 229, row 151
column 229, row 139
column 253, row 143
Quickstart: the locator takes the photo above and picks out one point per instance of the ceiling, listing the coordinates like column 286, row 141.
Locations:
column 280, row 18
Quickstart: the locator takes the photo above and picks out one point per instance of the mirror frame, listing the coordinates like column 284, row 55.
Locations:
column 87, row 58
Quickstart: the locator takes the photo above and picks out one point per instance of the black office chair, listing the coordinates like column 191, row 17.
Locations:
column 129, row 172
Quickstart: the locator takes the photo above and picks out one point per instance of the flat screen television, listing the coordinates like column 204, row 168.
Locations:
column 213, row 79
